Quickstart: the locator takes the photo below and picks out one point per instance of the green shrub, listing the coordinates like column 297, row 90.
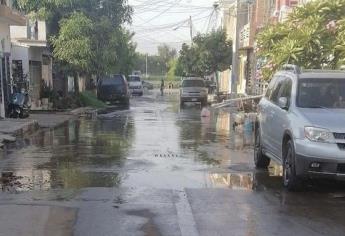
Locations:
column 89, row 99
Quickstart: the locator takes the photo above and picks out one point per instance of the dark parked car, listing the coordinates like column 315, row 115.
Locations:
column 114, row 89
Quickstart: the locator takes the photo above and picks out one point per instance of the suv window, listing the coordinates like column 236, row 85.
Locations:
column 270, row 87
column 321, row 93
column 134, row 78
column 114, row 80
column 193, row 83
column 286, row 88
column 275, row 91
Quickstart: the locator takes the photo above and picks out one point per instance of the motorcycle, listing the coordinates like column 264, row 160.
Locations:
column 19, row 105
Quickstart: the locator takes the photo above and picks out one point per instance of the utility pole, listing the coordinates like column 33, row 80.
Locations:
column 236, row 44
column 146, row 66
column 191, row 28
column 216, row 12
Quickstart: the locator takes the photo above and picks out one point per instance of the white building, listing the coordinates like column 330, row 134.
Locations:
column 235, row 17
column 8, row 17
column 31, row 59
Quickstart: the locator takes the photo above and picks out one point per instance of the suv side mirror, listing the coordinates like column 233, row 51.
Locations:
column 283, row 103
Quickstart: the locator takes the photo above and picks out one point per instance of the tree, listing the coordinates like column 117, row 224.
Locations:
column 208, row 54
column 117, row 11
column 74, row 45
column 111, row 45
column 165, row 55
column 312, row 37
column 157, row 64
column 171, row 69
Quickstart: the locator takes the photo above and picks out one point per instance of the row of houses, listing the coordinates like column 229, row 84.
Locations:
column 242, row 20
column 25, row 60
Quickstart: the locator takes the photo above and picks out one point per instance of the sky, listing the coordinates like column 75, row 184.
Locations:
column 167, row 21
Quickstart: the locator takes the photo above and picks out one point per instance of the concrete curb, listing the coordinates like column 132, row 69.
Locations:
column 10, row 129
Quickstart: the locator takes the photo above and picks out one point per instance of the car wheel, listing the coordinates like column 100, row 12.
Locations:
column 21, row 114
column 126, row 102
column 204, row 102
column 261, row 161
column 290, row 179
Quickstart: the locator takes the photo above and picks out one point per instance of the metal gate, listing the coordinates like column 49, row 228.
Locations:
column 35, row 68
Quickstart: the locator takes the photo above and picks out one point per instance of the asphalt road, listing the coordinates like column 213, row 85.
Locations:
column 155, row 170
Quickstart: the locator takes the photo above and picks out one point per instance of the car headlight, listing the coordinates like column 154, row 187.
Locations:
column 319, row 135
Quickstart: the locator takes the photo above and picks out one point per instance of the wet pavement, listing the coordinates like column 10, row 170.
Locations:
column 155, row 169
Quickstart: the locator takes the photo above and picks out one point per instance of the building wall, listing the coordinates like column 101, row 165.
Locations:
column 19, row 32
column 42, row 31
column 239, row 76
column 229, row 25
column 47, row 71
column 5, row 48
column 5, row 37
column 35, row 53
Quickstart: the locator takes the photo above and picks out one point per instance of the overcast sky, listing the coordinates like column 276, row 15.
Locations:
column 166, row 21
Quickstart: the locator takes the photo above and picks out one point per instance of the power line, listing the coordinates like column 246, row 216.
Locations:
column 156, row 16
column 171, row 25
column 209, row 22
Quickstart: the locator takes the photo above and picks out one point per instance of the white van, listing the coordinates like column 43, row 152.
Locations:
column 135, row 85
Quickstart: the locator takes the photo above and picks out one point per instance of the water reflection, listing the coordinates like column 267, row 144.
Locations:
column 81, row 154
column 223, row 120
column 236, row 181
column 215, row 139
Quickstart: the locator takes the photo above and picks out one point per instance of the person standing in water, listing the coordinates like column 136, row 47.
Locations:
column 162, row 87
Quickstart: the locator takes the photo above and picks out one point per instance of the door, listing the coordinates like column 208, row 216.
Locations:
column 281, row 121
column 6, row 82
column 263, row 113
column 35, row 68
column 271, row 112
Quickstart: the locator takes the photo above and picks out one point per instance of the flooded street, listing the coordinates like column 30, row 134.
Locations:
column 155, row 169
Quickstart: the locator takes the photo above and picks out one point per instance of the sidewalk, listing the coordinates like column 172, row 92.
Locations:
column 17, row 126
column 51, row 120
column 12, row 128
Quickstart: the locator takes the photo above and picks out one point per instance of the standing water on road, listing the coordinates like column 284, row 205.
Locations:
column 155, row 169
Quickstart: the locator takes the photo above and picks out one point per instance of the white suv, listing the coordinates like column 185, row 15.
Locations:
column 301, row 125
column 135, row 85
column 193, row 90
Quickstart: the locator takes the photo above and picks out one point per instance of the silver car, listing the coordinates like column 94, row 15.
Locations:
column 301, row 125
column 193, row 90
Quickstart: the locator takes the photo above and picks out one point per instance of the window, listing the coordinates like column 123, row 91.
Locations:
column 112, row 80
column 285, row 90
column 275, row 91
column 270, row 87
column 321, row 93
column 134, row 79
column 193, row 83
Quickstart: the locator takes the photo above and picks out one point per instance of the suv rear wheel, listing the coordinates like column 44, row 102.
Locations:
column 204, row 102
column 261, row 161
column 290, row 179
